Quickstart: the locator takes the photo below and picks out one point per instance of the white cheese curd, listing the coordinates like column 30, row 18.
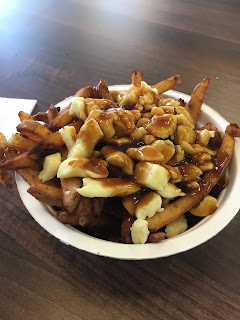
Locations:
column 73, row 167
column 94, row 188
column 109, row 187
column 79, row 150
column 176, row 227
column 171, row 191
column 152, row 175
column 148, row 206
column 51, row 164
column 67, row 134
column 139, row 231
column 77, row 106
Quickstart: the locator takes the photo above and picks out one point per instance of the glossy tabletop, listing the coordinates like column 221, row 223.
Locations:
column 49, row 50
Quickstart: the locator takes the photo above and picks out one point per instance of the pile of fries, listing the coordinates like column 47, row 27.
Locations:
column 124, row 166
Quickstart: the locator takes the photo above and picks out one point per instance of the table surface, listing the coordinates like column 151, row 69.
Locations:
column 50, row 49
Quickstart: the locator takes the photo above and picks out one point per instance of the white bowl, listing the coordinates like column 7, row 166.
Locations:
column 208, row 227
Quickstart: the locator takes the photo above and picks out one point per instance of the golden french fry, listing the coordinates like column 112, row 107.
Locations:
column 233, row 130
column 52, row 113
column 197, row 97
column 71, row 197
column 87, row 92
column 23, row 160
column 63, row 119
column 176, row 209
column 168, row 84
column 49, row 195
column 30, row 175
column 3, row 144
column 55, row 141
column 21, row 144
column 24, row 116
column 33, row 130
column 136, row 78
column 41, row 116
column 102, row 89
column 47, row 116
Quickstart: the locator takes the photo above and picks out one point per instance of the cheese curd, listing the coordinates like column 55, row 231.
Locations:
column 110, row 187
column 139, row 231
column 67, row 134
column 171, row 191
column 77, row 107
column 89, row 135
column 149, row 205
column 83, row 167
column 153, row 176
column 176, row 227
column 51, row 164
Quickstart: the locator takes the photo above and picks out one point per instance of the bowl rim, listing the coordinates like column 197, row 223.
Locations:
column 207, row 228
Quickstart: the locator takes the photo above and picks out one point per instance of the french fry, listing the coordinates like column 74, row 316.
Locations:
column 168, row 84
column 67, row 217
column 197, row 97
column 55, row 141
column 30, row 175
column 71, row 197
column 87, row 215
column 156, row 237
column 176, row 209
column 233, row 130
column 63, row 119
column 47, row 116
column 3, row 144
column 127, row 221
column 41, row 116
column 6, row 178
column 52, row 113
column 33, row 130
column 21, row 144
column 24, row 116
column 102, row 89
column 23, row 160
column 209, row 126
column 89, row 208
column 49, row 195
column 87, row 92
column 136, row 78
